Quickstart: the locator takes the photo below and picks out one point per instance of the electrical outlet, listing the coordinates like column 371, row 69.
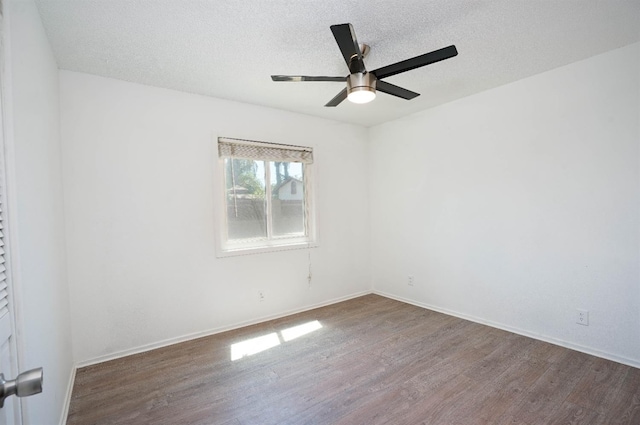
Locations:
column 410, row 280
column 261, row 295
column 582, row 317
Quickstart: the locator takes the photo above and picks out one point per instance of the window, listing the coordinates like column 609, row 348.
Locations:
column 267, row 202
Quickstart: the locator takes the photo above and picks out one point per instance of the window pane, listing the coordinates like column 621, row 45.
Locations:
column 245, row 192
column 287, row 198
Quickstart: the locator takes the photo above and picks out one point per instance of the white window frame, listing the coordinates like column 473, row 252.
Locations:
column 226, row 248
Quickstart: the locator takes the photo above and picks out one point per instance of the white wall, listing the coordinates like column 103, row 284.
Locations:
column 519, row 205
column 40, row 249
column 139, row 182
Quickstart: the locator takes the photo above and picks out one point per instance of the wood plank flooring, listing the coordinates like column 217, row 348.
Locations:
column 373, row 361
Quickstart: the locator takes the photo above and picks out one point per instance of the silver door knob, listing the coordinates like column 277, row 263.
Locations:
column 25, row 384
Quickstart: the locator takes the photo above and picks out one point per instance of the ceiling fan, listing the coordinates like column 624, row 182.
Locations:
column 362, row 84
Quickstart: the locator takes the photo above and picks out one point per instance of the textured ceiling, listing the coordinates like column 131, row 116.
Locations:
column 229, row 49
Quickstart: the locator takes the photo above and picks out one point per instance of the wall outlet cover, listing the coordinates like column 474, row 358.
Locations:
column 582, row 317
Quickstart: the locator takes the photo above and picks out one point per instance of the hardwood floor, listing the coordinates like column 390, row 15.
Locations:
column 372, row 361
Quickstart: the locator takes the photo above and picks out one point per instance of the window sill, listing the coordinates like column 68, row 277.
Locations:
column 237, row 251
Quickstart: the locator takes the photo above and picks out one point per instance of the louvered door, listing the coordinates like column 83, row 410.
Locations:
column 10, row 412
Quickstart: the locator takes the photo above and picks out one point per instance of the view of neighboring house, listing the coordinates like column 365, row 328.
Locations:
column 290, row 189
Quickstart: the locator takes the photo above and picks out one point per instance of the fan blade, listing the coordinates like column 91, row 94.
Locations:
column 394, row 90
column 305, row 78
column 417, row 62
column 348, row 44
column 339, row 98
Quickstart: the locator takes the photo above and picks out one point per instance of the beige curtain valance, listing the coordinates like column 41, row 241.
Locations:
column 261, row 151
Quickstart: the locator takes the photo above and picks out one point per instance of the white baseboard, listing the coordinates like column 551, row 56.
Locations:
column 195, row 335
column 67, row 398
column 171, row 341
column 545, row 338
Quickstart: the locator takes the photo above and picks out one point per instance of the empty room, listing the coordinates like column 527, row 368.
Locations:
column 337, row 212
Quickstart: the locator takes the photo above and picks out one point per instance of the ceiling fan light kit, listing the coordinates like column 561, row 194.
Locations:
column 362, row 85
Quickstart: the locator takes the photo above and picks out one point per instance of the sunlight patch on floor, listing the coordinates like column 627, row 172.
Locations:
column 298, row 331
column 256, row 345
